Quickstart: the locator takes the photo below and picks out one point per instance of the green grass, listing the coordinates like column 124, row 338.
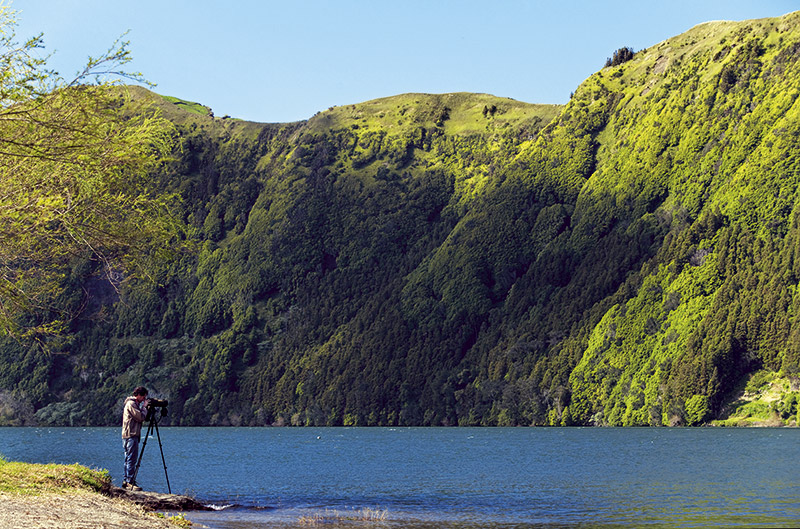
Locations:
column 458, row 113
column 189, row 106
column 33, row 478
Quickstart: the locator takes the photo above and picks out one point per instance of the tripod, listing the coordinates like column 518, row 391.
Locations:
column 152, row 425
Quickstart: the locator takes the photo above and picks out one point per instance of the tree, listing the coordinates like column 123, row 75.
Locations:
column 697, row 409
column 620, row 56
column 75, row 164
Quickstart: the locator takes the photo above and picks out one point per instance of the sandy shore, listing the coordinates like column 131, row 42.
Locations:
column 75, row 510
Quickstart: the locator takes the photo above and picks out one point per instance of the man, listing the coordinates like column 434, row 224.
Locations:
column 133, row 415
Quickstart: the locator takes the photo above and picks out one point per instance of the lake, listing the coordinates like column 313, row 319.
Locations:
column 454, row 477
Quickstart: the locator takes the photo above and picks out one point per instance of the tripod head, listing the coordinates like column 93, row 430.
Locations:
column 153, row 405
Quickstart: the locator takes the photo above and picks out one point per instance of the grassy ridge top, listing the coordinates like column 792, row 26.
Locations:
column 190, row 114
column 189, row 106
column 457, row 113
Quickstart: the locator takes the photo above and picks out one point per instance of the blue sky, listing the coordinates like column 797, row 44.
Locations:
column 284, row 61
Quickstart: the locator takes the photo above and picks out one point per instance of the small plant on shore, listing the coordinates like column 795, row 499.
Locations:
column 179, row 520
column 365, row 514
column 311, row 519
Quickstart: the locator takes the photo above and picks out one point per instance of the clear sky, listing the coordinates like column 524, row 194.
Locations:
column 276, row 61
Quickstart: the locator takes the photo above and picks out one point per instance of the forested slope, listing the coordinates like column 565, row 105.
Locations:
column 463, row 259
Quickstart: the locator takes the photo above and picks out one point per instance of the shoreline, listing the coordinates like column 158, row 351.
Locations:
column 76, row 509
column 34, row 496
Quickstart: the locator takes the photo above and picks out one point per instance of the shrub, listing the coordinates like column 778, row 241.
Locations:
column 758, row 381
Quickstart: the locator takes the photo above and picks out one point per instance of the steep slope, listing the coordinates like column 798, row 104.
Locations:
column 703, row 145
column 628, row 259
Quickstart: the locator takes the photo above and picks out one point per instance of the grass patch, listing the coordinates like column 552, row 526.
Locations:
column 189, row 106
column 32, row 478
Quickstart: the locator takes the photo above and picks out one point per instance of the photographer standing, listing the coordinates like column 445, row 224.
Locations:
column 133, row 416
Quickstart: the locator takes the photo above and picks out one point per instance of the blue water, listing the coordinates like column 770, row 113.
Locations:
column 455, row 477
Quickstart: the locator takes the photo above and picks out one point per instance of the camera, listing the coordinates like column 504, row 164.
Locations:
column 157, row 403
column 153, row 404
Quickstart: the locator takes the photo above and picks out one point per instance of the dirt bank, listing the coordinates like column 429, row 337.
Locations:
column 74, row 510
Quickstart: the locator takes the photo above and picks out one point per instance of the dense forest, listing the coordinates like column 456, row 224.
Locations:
column 629, row 258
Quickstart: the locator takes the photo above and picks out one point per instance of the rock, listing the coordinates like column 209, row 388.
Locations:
column 155, row 501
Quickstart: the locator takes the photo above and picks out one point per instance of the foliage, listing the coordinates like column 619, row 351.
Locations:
column 74, row 182
column 630, row 258
column 697, row 409
column 769, row 399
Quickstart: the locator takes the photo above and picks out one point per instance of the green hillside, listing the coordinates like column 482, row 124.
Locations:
column 463, row 259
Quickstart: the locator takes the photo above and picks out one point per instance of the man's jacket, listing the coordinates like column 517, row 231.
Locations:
column 132, row 418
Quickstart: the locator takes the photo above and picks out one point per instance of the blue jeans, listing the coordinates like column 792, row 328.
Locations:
column 131, row 446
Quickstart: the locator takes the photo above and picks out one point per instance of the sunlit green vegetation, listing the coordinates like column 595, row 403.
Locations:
column 189, row 106
column 768, row 399
column 32, row 478
column 630, row 258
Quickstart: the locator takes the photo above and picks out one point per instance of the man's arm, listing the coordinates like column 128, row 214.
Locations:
column 135, row 412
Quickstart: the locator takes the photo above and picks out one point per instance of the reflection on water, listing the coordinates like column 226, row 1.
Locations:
column 457, row 477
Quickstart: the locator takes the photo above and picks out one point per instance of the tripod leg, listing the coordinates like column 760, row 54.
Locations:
column 163, row 461
column 141, row 453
